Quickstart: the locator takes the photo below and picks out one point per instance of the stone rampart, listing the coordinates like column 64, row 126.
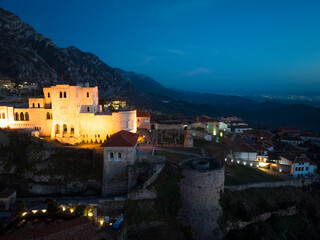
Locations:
column 200, row 193
column 297, row 182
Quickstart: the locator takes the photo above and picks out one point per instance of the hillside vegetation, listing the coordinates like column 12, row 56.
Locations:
column 34, row 166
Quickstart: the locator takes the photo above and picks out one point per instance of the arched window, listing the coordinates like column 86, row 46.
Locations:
column 17, row 116
column 3, row 115
column 65, row 94
column 64, row 129
column 48, row 95
column 60, row 94
column 87, row 94
column 72, row 130
column 57, row 129
column 21, row 117
column 119, row 155
column 33, row 105
column 111, row 157
column 38, row 105
column 27, row 116
column 48, row 115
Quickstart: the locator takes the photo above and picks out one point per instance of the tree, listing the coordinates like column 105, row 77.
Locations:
column 81, row 210
column 52, row 207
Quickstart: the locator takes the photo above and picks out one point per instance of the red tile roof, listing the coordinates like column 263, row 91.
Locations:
column 245, row 148
column 294, row 158
column 242, row 126
column 259, row 133
column 288, row 129
column 79, row 228
column 238, row 121
column 122, row 139
column 119, row 99
column 141, row 113
column 308, row 134
column 204, row 118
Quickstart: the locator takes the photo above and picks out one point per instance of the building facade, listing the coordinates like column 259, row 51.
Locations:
column 119, row 153
column 70, row 114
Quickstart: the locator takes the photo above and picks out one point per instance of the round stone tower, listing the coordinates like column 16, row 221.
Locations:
column 201, row 187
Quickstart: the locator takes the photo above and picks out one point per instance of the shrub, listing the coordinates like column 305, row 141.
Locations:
column 52, row 207
column 21, row 208
column 81, row 210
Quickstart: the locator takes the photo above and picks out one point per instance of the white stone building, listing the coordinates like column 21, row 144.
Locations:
column 70, row 114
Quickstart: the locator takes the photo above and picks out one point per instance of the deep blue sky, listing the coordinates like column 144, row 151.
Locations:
column 205, row 46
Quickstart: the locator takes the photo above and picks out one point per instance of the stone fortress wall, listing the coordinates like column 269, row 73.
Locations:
column 115, row 172
column 201, row 187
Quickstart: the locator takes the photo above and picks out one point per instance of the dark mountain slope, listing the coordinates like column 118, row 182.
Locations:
column 26, row 55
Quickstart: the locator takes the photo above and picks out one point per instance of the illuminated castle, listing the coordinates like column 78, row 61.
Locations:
column 70, row 114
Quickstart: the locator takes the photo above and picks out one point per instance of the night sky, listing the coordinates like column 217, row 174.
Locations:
column 205, row 46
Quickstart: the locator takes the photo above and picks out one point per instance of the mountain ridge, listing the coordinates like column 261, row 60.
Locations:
column 29, row 56
column 26, row 55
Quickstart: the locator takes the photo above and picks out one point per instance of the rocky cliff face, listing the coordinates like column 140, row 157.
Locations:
column 34, row 166
column 26, row 55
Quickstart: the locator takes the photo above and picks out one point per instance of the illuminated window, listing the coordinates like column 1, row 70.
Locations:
column 21, row 116
column 3, row 115
column 65, row 129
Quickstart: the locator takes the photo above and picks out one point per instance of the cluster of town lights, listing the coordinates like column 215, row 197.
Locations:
column 63, row 208
column 261, row 164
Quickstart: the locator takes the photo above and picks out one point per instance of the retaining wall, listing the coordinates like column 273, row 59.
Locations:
column 286, row 183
